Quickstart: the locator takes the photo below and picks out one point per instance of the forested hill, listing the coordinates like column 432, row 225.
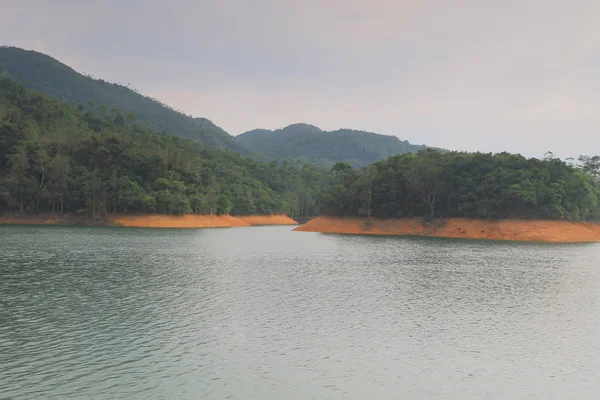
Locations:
column 473, row 185
column 307, row 143
column 55, row 156
column 40, row 72
column 302, row 143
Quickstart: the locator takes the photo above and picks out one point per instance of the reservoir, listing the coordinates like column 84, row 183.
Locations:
column 267, row 313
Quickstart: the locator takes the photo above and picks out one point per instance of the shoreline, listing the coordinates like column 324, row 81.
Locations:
column 547, row 231
column 189, row 221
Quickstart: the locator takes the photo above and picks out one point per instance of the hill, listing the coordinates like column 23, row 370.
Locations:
column 40, row 72
column 302, row 142
column 57, row 157
column 433, row 184
column 311, row 144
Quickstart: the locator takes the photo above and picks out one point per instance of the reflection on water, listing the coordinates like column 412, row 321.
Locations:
column 268, row 313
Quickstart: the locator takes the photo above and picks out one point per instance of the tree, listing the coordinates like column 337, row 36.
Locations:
column 367, row 178
column 425, row 177
column 342, row 170
column 130, row 194
column 20, row 181
column 148, row 203
column 94, row 191
column 198, row 204
column 40, row 161
column 180, row 204
column 113, row 188
column 292, row 203
column 119, row 120
column 223, row 205
column 591, row 165
column 130, row 118
column 58, row 181
column 163, row 200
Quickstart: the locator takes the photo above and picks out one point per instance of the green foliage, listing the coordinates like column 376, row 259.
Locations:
column 126, row 107
column 435, row 184
column 223, row 205
column 591, row 165
column 40, row 72
column 307, row 143
column 55, row 156
column 129, row 195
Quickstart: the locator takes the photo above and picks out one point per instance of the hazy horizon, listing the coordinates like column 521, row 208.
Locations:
column 500, row 76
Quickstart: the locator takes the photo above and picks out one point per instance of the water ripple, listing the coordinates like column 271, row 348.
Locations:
column 267, row 313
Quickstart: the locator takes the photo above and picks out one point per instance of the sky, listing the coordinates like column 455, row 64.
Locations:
column 473, row 75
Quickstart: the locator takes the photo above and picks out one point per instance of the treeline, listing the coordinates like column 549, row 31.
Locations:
column 473, row 185
column 58, row 157
column 92, row 159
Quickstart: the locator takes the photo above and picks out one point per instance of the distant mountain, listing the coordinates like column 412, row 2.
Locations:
column 303, row 142
column 40, row 72
column 311, row 144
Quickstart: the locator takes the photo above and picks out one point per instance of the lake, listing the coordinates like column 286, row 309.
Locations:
column 266, row 313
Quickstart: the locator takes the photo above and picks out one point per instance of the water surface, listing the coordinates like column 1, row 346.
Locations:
column 266, row 313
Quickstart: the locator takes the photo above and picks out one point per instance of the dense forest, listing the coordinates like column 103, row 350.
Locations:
column 40, row 72
column 100, row 156
column 55, row 156
column 308, row 144
column 474, row 185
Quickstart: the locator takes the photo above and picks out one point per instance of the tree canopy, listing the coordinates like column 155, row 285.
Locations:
column 474, row 185
column 101, row 155
column 55, row 156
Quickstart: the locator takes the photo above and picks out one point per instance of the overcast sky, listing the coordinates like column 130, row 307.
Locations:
column 487, row 75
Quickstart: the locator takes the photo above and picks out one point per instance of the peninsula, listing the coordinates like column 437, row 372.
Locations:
column 465, row 228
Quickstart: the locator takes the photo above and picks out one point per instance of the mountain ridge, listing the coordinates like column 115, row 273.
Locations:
column 41, row 72
column 311, row 143
column 302, row 142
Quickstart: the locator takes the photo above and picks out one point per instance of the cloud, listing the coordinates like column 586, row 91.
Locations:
column 473, row 75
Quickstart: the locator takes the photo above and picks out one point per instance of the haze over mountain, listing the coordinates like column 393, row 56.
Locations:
column 308, row 143
column 303, row 142
column 476, row 76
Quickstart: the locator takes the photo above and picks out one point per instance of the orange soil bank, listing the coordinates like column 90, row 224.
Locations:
column 166, row 221
column 509, row 229
column 147, row 220
column 276, row 219
column 47, row 219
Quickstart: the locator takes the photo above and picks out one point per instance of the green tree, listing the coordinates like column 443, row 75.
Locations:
column 58, row 181
column 163, row 200
column 366, row 181
column 20, row 182
column 40, row 170
column 130, row 195
column 148, row 203
column 591, row 165
column 343, row 171
column 94, row 193
column 180, row 204
column 425, row 178
column 131, row 118
column 223, row 205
